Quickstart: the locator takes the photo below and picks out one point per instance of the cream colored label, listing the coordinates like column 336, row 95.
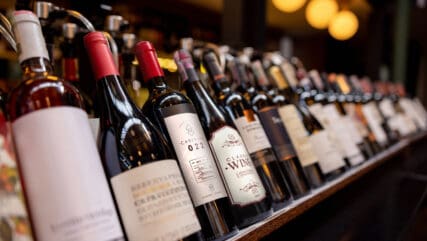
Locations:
column 411, row 111
column 67, row 190
column 351, row 126
column 298, row 134
column 340, row 129
column 154, row 203
column 371, row 117
column 321, row 115
column 240, row 176
column 386, row 107
column 195, row 158
column 329, row 157
column 350, row 108
column 252, row 133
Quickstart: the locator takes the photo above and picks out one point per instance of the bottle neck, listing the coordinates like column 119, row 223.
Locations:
column 36, row 68
column 157, row 83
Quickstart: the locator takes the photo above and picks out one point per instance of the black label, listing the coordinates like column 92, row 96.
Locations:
column 276, row 133
column 177, row 109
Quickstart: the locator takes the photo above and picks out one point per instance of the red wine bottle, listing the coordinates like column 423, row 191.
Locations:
column 65, row 185
column 176, row 117
column 70, row 63
column 299, row 127
column 248, row 196
column 276, row 132
column 148, row 186
column 252, row 132
column 330, row 161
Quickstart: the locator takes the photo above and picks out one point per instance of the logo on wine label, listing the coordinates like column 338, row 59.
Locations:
column 189, row 130
column 232, row 141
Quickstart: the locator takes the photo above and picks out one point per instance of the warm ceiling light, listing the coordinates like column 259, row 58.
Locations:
column 288, row 6
column 320, row 12
column 343, row 25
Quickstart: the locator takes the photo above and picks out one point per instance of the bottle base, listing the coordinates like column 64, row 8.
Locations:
column 279, row 205
column 224, row 237
column 252, row 220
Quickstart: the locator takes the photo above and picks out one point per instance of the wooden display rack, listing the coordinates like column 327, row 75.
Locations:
column 299, row 206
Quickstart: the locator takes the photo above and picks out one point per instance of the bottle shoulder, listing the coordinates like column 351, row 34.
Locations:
column 41, row 93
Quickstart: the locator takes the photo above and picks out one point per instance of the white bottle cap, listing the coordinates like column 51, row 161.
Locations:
column 28, row 36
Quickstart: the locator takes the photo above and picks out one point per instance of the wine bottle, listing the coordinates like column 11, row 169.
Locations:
column 253, row 134
column 345, row 106
column 65, row 185
column 368, row 109
column 298, row 127
column 330, row 161
column 354, row 108
column 148, row 186
column 341, row 126
column 244, row 187
column 276, row 134
column 70, row 63
column 175, row 116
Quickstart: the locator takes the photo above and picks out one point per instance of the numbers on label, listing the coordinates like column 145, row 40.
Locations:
column 195, row 146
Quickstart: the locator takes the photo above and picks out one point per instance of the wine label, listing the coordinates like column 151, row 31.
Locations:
column 420, row 108
column 14, row 221
column 386, row 107
column 351, row 110
column 241, row 179
column 298, row 134
column 154, row 203
column 369, row 111
column 68, row 193
column 276, row 133
column 318, row 112
column 94, row 127
column 252, row 133
column 329, row 157
column 194, row 156
column 408, row 106
column 342, row 131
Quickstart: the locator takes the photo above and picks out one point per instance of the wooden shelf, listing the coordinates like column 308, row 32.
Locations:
column 299, row 206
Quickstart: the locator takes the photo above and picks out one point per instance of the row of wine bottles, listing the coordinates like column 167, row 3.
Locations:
column 192, row 164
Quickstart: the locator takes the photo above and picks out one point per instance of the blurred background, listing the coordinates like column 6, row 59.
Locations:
column 383, row 39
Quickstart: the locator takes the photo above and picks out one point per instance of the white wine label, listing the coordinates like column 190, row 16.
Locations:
column 386, row 107
column 67, row 190
column 154, row 203
column 350, row 108
column 94, row 127
column 298, row 134
column 195, row 157
column 322, row 115
column 341, row 131
column 252, row 133
column 329, row 157
column 240, row 176
column 369, row 111
column 420, row 108
column 351, row 126
column 408, row 106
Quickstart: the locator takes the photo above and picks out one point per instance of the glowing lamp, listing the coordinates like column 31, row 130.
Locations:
column 343, row 25
column 320, row 12
column 288, row 6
